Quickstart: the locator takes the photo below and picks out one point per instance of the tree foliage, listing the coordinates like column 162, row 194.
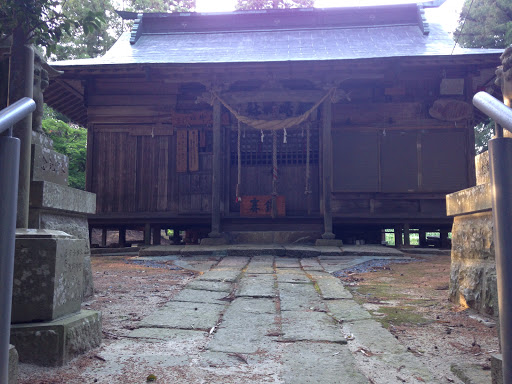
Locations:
column 42, row 22
column 72, row 142
column 488, row 24
column 160, row 5
column 273, row 4
column 483, row 133
column 77, row 44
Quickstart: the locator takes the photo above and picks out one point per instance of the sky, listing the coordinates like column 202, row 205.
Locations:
column 447, row 14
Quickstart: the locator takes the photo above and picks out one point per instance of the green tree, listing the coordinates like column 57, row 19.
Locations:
column 483, row 133
column 77, row 44
column 72, row 142
column 485, row 24
column 160, row 5
column 273, row 4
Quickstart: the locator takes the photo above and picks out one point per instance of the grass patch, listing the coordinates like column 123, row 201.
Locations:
column 399, row 316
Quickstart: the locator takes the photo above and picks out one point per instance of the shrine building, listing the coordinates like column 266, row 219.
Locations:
column 278, row 125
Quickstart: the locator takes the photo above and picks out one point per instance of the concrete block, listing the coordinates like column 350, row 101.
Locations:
column 497, row 369
column 48, row 165
column 13, row 365
column 55, row 343
column 214, row 241
column 48, row 275
column 47, row 195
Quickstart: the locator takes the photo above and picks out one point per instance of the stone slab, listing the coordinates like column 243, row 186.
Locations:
column 255, row 250
column 299, row 297
column 257, row 286
column 48, row 275
column 244, row 333
column 329, row 243
column 48, row 165
column 311, row 265
column 310, row 326
column 347, row 310
column 251, row 305
column 370, row 250
column 13, row 365
column 208, row 241
column 370, row 335
column 206, row 285
column 292, row 276
column 308, row 363
column 471, row 373
column 56, row 342
column 482, row 168
column 303, row 251
column 470, row 200
column 44, row 194
column 233, row 262
column 197, row 265
column 223, row 275
column 200, row 296
column 332, row 289
column 184, row 315
column 165, row 335
column 244, row 327
column 287, row 262
column 261, row 264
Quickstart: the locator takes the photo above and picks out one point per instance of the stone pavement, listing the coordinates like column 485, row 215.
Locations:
column 263, row 319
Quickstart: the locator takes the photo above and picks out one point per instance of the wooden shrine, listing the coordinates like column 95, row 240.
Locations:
column 366, row 130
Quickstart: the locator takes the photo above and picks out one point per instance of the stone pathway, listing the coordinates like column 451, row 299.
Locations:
column 263, row 319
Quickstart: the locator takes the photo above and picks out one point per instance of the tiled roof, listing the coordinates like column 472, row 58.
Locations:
column 315, row 41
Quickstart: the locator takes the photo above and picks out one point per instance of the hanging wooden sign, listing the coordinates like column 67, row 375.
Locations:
column 196, row 118
column 181, row 150
column 193, row 150
column 261, row 206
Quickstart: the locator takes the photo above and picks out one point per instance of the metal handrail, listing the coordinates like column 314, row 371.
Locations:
column 500, row 169
column 16, row 112
column 9, row 174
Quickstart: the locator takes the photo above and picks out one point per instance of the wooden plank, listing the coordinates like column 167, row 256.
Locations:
column 303, row 96
column 181, row 150
column 364, row 113
column 193, row 150
column 168, row 101
column 162, row 173
column 138, row 129
column 89, row 167
column 173, row 175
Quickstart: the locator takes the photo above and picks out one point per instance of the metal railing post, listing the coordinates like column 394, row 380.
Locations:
column 9, row 175
column 500, row 168
column 9, row 171
column 500, row 156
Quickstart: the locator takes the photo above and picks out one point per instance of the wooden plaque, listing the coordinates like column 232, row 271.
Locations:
column 261, row 206
column 193, row 150
column 181, row 150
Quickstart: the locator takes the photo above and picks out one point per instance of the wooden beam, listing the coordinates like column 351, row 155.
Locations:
column 278, row 96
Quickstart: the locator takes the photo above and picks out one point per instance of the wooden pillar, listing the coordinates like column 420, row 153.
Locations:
column 103, row 237
column 398, row 236
column 147, row 234
column 122, row 237
column 216, row 170
column 444, row 238
column 327, row 167
column 407, row 234
column 156, row 235
column 422, row 238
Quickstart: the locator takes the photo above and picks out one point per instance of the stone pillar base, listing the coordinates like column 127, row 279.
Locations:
column 13, row 365
column 328, row 243
column 55, row 343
